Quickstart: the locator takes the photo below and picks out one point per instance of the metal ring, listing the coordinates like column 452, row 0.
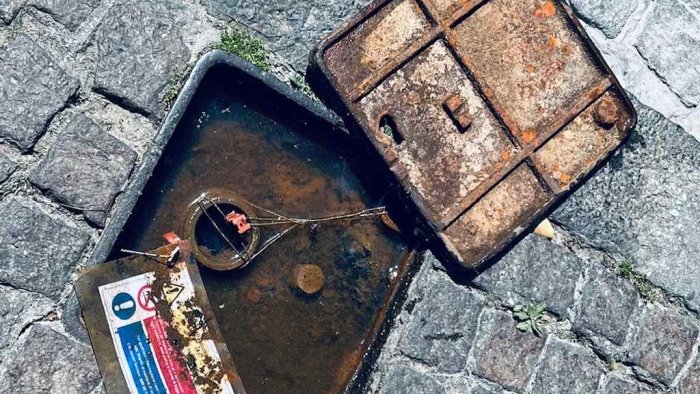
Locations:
column 194, row 214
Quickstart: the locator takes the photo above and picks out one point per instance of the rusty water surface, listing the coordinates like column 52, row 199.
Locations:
column 237, row 138
column 495, row 109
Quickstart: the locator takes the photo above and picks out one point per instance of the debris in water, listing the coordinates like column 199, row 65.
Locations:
column 308, row 278
column 389, row 223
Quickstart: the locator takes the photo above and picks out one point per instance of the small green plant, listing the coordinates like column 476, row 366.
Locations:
column 612, row 365
column 387, row 131
column 647, row 290
column 530, row 318
column 299, row 83
column 626, row 270
column 641, row 282
column 241, row 43
column 170, row 94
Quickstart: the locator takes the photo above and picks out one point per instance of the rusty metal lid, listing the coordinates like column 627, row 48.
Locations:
column 486, row 112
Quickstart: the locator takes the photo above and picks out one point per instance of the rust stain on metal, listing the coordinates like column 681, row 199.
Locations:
column 497, row 215
column 532, row 62
column 448, row 9
column 441, row 164
column 497, row 108
column 578, row 148
column 377, row 42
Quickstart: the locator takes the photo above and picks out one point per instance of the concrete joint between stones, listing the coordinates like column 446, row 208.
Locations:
column 683, row 373
column 540, row 358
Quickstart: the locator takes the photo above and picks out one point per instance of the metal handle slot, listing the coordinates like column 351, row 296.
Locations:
column 387, row 127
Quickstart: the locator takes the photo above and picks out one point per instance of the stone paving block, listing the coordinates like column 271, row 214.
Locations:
column 691, row 383
column 608, row 16
column 37, row 251
column 535, row 270
column 567, row 368
column 401, row 379
column 671, row 30
column 619, row 386
column 33, row 88
column 46, row 361
column 664, row 343
column 18, row 308
column 9, row 9
column 443, row 325
column 140, row 53
column 479, row 389
column 643, row 205
column 291, row 27
column 85, row 168
column 607, row 304
column 503, row 354
column 7, row 167
column 69, row 13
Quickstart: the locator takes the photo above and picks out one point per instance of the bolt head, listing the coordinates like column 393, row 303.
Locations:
column 607, row 112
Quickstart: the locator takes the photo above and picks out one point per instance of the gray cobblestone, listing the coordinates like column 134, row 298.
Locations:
column 608, row 16
column 691, row 383
column 405, row 380
column 503, row 354
column 567, row 368
column 7, row 166
column 621, row 386
column 34, row 87
column 607, row 303
column 37, row 251
column 70, row 13
column 535, row 270
column 664, row 45
column 18, row 308
column 642, row 206
column 47, row 362
column 85, row 168
column 140, row 52
column 664, row 343
column 9, row 8
column 479, row 389
column 440, row 334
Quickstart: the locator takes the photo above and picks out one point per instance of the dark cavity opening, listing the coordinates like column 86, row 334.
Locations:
column 388, row 127
column 210, row 241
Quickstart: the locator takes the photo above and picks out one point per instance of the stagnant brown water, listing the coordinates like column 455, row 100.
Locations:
column 282, row 342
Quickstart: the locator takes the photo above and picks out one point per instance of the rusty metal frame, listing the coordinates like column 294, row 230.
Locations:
column 442, row 30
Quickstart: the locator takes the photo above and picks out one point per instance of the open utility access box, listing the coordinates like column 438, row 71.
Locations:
column 245, row 141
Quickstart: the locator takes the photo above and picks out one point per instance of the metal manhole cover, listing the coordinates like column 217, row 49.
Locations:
column 486, row 112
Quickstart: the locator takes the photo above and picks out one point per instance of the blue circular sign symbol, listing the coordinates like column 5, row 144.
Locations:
column 124, row 306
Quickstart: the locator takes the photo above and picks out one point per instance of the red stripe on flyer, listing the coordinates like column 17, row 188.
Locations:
column 175, row 373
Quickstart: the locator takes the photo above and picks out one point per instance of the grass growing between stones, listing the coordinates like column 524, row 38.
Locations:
column 530, row 318
column 170, row 95
column 241, row 43
column 299, row 83
column 646, row 289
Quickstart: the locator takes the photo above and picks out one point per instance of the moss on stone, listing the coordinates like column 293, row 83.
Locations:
column 241, row 43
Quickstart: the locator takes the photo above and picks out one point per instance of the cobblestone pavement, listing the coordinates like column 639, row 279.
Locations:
column 81, row 89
